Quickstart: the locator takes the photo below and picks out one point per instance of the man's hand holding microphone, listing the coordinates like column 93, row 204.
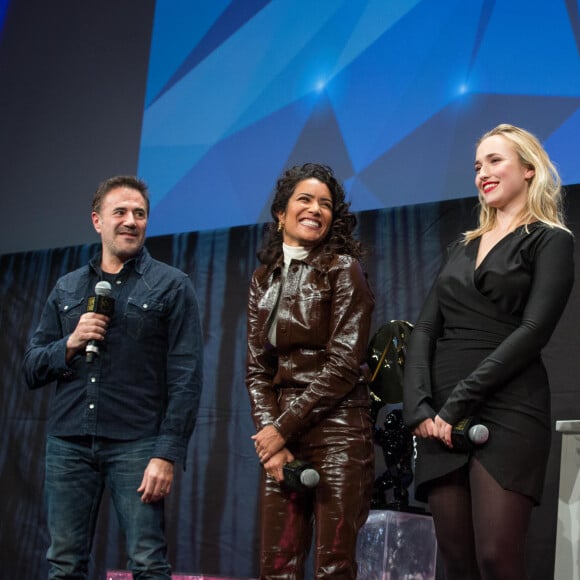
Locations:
column 92, row 325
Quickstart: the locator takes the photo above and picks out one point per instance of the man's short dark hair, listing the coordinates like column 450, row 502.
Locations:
column 129, row 181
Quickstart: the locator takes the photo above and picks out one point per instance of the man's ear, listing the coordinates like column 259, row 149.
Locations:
column 96, row 222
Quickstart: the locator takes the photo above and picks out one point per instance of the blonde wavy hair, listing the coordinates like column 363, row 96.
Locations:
column 544, row 201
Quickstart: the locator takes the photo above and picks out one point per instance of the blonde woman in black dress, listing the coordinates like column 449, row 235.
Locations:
column 476, row 350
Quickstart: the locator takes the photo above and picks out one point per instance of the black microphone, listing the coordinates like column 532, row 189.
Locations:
column 300, row 475
column 101, row 303
column 467, row 433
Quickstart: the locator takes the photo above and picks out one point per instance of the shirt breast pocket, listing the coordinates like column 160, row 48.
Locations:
column 70, row 310
column 143, row 318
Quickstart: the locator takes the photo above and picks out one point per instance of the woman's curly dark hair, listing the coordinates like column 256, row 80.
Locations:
column 339, row 239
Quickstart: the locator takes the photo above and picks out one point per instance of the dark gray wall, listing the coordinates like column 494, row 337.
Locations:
column 72, row 78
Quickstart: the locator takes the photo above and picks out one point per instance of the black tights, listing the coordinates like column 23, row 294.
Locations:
column 480, row 527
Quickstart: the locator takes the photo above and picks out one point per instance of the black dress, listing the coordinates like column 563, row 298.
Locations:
column 476, row 351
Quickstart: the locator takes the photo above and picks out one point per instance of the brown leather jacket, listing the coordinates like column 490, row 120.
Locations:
column 324, row 318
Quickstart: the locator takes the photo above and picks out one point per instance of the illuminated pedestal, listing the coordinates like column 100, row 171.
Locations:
column 567, row 563
column 391, row 545
column 395, row 544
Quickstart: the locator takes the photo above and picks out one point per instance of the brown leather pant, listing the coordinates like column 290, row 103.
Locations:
column 340, row 448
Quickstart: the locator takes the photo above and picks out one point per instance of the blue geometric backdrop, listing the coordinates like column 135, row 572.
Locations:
column 392, row 94
column 3, row 8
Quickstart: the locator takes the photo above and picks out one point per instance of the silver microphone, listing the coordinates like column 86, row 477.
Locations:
column 467, row 433
column 478, row 434
column 101, row 303
column 300, row 475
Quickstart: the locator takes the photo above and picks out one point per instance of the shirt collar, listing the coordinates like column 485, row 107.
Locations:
column 139, row 262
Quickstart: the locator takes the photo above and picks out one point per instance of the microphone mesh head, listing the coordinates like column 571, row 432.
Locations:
column 103, row 288
column 479, row 434
column 309, row 478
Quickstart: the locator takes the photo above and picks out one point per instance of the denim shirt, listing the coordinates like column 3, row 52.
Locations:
column 146, row 380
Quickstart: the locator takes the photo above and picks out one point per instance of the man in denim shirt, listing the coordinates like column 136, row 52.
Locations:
column 123, row 419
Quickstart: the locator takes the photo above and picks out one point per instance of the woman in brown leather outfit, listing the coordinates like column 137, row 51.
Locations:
column 309, row 316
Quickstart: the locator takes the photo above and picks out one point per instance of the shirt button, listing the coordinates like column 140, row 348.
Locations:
column 93, row 380
column 91, row 406
column 118, row 281
column 145, row 306
column 66, row 308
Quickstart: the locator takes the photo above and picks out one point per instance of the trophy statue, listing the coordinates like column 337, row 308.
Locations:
column 386, row 359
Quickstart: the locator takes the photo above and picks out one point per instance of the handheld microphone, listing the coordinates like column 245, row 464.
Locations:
column 101, row 303
column 467, row 433
column 300, row 475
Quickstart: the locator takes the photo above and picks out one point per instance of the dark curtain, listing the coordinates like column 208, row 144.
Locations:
column 213, row 509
